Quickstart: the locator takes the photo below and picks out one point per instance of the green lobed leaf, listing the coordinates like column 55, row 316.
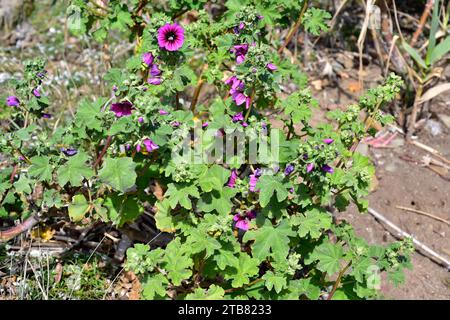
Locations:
column 119, row 173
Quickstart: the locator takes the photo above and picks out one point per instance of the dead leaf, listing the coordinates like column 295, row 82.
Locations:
column 354, row 87
column 158, row 191
column 433, row 92
column 317, row 84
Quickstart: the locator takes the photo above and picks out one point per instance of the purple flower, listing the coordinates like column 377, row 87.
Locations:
column 138, row 147
column 175, row 124
column 238, row 117
column 233, row 179
column 244, row 124
column 36, row 93
column 128, row 146
column 140, row 119
column 241, row 25
column 247, row 102
column 327, row 168
column 230, row 80
column 239, row 97
column 288, row 170
column 154, row 80
column 69, row 151
column 122, row 109
column 271, row 67
column 254, row 180
column 171, row 37
column 292, row 190
column 309, row 167
column 147, row 58
column 328, row 141
column 163, row 112
column 240, row 51
column 150, row 145
column 114, row 88
column 46, row 115
column 40, row 74
column 154, row 70
column 12, row 101
column 242, row 222
column 204, row 125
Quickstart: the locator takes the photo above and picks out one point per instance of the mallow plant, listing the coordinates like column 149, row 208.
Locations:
column 253, row 210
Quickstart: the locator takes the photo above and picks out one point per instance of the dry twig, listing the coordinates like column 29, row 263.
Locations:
column 424, row 213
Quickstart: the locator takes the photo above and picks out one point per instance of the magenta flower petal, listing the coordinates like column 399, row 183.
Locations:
column 241, row 25
column 248, row 101
column 154, row 80
column 163, row 112
column 171, row 37
column 237, row 217
column 150, row 145
column 253, row 181
column 242, row 224
column 140, row 119
column 122, row 109
column 237, row 84
column 154, row 70
column 204, row 125
column 233, row 178
column 230, row 80
column 36, row 93
column 251, row 215
column 239, row 98
column 244, row 124
column 328, row 141
column 309, row 167
column 238, row 117
column 175, row 124
column 12, row 101
column 240, row 59
column 327, row 168
column 288, row 170
column 148, row 58
column 271, row 67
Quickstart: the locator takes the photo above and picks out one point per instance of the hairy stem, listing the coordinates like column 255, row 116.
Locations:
column 338, row 280
column 294, row 28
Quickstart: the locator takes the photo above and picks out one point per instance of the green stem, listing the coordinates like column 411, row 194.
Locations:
column 338, row 280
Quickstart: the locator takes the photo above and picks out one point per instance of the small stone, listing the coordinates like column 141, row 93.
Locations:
column 434, row 127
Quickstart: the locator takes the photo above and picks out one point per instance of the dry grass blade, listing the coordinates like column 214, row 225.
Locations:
column 430, row 150
column 362, row 38
column 434, row 92
column 424, row 213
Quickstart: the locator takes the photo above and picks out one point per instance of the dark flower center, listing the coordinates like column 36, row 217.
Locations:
column 171, row 36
